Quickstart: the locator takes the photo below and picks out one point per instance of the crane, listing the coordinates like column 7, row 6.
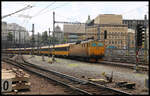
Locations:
column 27, row 7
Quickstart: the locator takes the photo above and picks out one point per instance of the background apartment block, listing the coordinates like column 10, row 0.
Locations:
column 59, row 34
column 4, row 32
column 15, row 30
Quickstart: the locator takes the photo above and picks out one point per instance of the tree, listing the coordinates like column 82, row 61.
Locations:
column 65, row 40
column 10, row 37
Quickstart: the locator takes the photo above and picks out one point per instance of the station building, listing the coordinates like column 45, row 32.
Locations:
column 116, row 31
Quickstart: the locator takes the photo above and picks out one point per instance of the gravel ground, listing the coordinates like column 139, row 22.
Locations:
column 92, row 70
column 39, row 86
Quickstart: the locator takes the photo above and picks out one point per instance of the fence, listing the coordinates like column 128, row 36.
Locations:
column 124, row 55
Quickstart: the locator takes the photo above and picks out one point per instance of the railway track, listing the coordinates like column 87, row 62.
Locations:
column 125, row 59
column 128, row 65
column 107, row 62
column 79, row 86
column 113, row 63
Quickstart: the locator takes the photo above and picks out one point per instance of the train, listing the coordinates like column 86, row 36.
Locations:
column 90, row 50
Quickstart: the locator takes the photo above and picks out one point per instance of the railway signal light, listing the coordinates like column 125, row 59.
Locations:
column 105, row 34
column 140, row 34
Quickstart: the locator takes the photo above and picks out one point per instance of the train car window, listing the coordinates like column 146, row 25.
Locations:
column 93, row 44
column 62, row 49
column 44, row 49
column 100, row 44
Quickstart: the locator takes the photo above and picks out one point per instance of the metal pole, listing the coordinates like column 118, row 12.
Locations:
column 49, row 42
column 11, row 41
column 32, row 39
column 85, row 32
column 137, row 59
column 134, row 28
column 19, row 43
column 14, row 38
column 38, row 44
column 53, row 55
column 98, row 34
column 145, row 43
column 136, row 50
column 128, row 44
column 24, row 42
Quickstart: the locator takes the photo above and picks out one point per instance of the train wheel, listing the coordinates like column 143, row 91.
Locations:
column 92, row 60
column 99, row 60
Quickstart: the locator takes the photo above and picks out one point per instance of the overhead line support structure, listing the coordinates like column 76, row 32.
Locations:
column 28, row 7
column 53, row 55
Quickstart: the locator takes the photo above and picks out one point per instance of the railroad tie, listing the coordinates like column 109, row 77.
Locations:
column 130, row 85
column 126, row 84
column 121, row 83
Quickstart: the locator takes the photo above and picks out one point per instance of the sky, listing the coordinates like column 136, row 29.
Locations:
column 42, row 12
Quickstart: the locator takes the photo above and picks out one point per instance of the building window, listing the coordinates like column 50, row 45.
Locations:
column 115, row 42
column 132, row 41
column 112, row 42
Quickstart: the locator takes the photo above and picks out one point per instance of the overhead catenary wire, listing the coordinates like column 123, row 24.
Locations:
column 27, row 7
column 51, row 9
column 133, row 9
column 68, row 18
column 44, row 9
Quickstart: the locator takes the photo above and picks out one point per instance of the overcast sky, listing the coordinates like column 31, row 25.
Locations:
column 42, row 12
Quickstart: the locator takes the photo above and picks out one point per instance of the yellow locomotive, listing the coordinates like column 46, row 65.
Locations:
column 91, row 50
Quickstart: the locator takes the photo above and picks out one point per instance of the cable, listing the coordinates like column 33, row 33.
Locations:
column 133, row 9
column 27, row 7
column 67, row 17
column 44, row 9
column 52, row 9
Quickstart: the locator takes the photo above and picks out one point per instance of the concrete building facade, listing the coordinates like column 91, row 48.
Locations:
column 116, row 31
column 4, row 32
column 59, row 35
column 108, row 19
column 132, row 22
column 17, row 30
column 73, row 32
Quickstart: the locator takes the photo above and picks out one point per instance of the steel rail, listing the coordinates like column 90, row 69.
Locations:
column 47, row 77
column 127, row 65
column 73, row 79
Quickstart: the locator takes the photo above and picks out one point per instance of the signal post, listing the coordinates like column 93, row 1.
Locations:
column 140, row 30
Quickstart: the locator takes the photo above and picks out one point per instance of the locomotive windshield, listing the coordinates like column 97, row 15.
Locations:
column 93, row 44
column 100, row 44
